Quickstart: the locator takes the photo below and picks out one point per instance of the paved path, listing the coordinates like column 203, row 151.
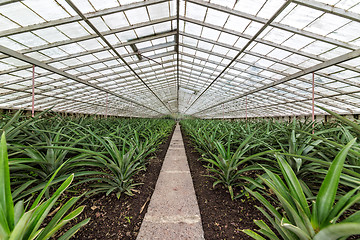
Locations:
column 173, row 211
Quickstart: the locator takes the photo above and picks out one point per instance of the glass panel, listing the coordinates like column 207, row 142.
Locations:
column 20, row 14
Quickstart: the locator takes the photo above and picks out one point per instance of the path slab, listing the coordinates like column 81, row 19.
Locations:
column 173, row 211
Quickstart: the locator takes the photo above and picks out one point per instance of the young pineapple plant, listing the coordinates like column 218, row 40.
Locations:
column 19, row 223
column 304, row 221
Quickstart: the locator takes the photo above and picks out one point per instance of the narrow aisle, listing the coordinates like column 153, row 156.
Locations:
column 173, row 211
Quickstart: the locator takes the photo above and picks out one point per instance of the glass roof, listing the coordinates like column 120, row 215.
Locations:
column 213, row 58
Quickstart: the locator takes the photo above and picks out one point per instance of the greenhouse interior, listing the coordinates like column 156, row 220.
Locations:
column 180, row 119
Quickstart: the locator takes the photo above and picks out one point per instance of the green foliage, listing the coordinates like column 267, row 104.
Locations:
column 107, row 152
column 300, row 221
column 228, row 167
column 312, row 168
column 17, row 223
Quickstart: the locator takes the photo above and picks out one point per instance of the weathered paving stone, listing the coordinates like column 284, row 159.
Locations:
column 173, row 211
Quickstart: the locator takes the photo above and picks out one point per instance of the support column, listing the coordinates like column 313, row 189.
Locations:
column 33, row 92
column 223, row 112
column 313, row 100
column 106, row 110
column 246, row 108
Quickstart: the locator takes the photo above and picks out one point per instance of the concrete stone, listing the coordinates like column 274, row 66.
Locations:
column 175, row 153
column 171, row 231
column 173, row 211
column 174, row 195
column 178, row 164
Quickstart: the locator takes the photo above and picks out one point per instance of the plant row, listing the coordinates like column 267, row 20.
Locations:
column 305, row 174
column 41, row 156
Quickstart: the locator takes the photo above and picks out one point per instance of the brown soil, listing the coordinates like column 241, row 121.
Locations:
column 113, row 218
column 221, row 217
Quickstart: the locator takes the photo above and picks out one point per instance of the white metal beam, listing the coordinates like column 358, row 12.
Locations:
column 275, row 24
column 265, row 42
column 35, row 62
column 83, row 17
column 252, row 39
column 315, row 68
column 78, row 18
column 329, row 9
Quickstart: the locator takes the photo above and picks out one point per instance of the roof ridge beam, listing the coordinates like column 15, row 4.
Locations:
column 277, row 72
column 258, row 100
column 114, row 50
column 147, row 49
column 280, row 88
column 66, row 104
column 59, row 87
column 255, row 36
column 295, row 101
column 5, row 2
column 177, row 52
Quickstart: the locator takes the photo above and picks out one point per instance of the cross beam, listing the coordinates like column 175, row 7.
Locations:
column 114, row 50
column 35, row 62
column 315, row 68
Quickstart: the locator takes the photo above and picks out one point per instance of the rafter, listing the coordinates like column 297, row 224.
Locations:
column 254, row 75
column 318, row 99
column 266, row 42
column 188, row 51
column 35, row 62
column 114, row 50
column 66, row 99
column 315, row 68
column 275, row 24
column 72, row 19
column 261, row 57
column 106, row 33
column 303, row 97
column 252, row 39
column 329, row 9
column 90, row 72
column 285, row 88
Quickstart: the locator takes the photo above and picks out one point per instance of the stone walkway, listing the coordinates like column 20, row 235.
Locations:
column 173, row 211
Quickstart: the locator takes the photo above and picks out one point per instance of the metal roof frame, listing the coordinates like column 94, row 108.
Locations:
column 184, row 44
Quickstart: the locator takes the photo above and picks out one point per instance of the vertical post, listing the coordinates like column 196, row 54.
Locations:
column 313, row 100
column 223, row 112
column 106, row 110
column 33, row 92
column 246, row 108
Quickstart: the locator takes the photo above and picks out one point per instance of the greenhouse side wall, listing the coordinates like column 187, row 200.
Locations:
column 319, row 118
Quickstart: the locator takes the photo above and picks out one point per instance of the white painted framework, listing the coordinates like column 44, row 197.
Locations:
column 209, row 59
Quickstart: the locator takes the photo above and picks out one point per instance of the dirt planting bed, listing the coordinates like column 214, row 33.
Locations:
column 221, row 217
column 113, row 218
